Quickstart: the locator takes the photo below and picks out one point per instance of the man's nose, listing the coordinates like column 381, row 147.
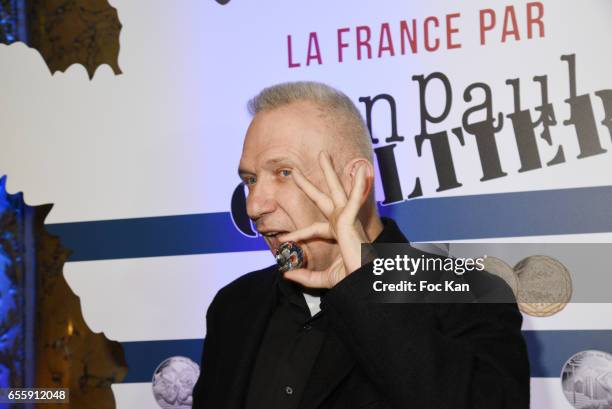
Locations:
column 260, row 201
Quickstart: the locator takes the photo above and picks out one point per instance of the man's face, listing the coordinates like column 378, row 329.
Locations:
column 276, row 142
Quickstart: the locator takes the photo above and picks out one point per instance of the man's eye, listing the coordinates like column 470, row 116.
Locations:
column 250, row 180
column 285, row 172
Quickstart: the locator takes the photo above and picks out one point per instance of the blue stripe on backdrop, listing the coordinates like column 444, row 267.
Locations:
column 546, row 212
column 517, row 214
column 153, row 237
column 548, row 351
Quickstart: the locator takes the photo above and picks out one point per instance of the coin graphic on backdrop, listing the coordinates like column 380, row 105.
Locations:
column 501, row 269
column 586, row 380
column 545, row 286
column 173, row 382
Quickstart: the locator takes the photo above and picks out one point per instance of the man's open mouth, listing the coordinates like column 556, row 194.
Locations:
column 272, row 233
column 272, row 238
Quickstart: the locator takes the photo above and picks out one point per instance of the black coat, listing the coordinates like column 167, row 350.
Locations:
column 401, row 356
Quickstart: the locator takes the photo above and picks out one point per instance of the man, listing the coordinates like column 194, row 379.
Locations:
column 307, row 163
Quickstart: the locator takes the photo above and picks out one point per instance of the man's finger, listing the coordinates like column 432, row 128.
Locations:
column 354, row 201
column 323, row 202
column 319, row 229
column 336, row 189
column 308, row 278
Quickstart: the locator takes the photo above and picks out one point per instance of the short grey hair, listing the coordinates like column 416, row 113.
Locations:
column 334, row 104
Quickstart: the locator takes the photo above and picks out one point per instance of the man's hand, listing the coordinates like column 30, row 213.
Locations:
column 342, row 224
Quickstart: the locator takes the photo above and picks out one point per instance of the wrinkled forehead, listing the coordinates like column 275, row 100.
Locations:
column 297, row 132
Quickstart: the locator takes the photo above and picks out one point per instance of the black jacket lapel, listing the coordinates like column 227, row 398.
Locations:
column 251, row 316
column 333, row 363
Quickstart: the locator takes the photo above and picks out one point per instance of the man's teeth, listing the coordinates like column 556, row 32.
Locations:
column 273, row 233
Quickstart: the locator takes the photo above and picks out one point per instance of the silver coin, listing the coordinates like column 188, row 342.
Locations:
column 504, row 271
column 586, row 380
column 289, row 256
column 545, row 285
column 173, row 382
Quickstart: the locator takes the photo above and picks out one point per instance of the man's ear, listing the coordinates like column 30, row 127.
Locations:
column 350, row 170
